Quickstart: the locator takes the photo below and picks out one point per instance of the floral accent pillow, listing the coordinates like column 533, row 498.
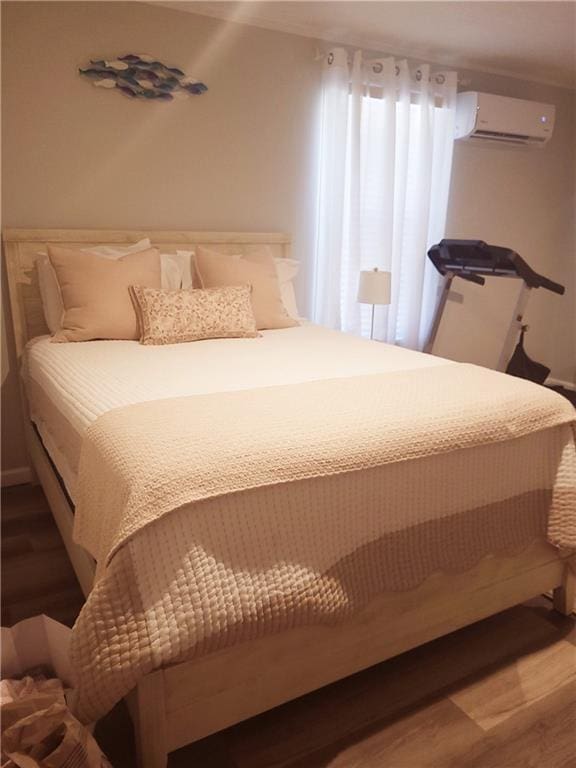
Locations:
column 171, row 317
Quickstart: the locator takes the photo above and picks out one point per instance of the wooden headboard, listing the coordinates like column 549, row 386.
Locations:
column 22, row 247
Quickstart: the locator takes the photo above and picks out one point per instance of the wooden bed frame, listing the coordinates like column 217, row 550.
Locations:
column 177, row 705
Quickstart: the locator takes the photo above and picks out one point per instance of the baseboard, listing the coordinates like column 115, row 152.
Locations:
column 16, row 476
column 559, row 383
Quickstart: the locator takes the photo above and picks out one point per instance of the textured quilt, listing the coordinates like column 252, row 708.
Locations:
column 219, row 518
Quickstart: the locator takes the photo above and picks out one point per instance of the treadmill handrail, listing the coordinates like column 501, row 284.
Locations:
column 496, row 260
column 552, row 286
column 532, row 278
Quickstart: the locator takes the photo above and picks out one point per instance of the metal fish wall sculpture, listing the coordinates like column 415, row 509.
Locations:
column 143, row 77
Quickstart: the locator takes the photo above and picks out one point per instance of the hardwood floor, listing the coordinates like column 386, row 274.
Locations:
column 498, row 694
column 36, row 574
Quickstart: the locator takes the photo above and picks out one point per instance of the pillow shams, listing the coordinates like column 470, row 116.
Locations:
column 286, row 269
column 95, row 292
column 259, row 271
column 175, row 269
column 171, row 317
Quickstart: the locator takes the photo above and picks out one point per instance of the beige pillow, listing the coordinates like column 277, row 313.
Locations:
column 48, row 282
column 259, row 271
column 170, row 317
column 287, row 270
column 95, row 292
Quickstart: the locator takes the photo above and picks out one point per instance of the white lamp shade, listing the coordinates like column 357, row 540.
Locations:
column 374, row 287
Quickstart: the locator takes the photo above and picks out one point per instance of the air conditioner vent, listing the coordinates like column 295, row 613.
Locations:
column 501, row 135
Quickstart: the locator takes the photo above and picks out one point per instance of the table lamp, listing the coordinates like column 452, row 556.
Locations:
column 374, row 287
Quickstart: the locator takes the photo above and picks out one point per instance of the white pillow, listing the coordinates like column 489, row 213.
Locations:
column 50, row 290
column 287, row 270
column 170, row 263
column 116, row 251
column 185, row 260
column 52, row 305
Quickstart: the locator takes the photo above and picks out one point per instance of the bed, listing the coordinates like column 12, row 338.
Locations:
column 500, row 555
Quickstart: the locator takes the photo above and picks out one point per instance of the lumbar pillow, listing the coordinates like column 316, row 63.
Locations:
column 259, row 271
column 95, row 292
column 170, row 317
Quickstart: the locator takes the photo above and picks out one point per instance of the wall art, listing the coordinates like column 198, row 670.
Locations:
column 142, row 77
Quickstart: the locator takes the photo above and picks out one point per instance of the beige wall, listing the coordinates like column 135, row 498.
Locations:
column 239, row 157
column 236, row 158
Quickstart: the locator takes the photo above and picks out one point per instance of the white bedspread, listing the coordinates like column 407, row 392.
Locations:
column 202, row 579
column 71, row 385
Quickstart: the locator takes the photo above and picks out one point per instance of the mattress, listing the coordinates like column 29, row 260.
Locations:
column 70, row 385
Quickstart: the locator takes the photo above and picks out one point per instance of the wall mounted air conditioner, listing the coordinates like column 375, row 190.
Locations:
column 485, row 117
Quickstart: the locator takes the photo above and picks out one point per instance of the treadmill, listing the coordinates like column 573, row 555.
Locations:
column 473, row 260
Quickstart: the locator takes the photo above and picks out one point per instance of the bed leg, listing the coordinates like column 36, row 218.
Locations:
column 150, row 722
column 564, row 596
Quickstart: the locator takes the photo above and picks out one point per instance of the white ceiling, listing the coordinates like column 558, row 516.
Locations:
column 529, row 40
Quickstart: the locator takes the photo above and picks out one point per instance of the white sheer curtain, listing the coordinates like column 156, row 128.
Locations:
column 386, row 140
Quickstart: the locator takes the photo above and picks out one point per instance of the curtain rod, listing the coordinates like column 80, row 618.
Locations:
column 439, row 78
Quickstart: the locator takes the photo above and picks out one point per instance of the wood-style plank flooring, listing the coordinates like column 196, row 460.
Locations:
column 36, row 574
column 498, row 694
